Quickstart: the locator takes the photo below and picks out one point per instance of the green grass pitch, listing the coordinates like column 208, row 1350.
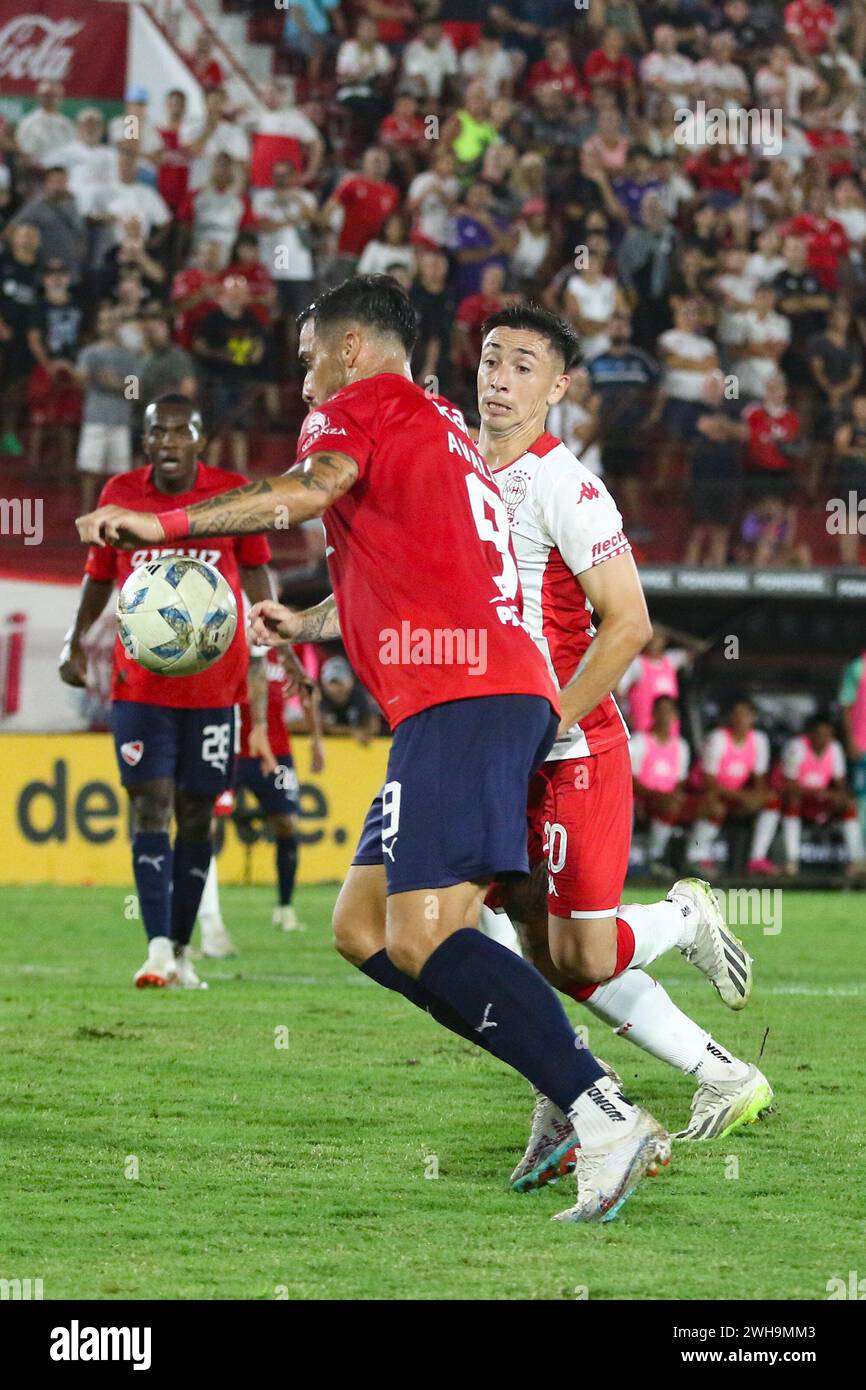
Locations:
column 166, row 1144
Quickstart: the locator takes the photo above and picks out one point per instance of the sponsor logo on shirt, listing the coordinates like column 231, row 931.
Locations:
column 143, row 557
column 132, row 752
column 602, row 549
column 317, row 424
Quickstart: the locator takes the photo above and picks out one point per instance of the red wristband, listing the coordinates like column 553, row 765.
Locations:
column 174, row 523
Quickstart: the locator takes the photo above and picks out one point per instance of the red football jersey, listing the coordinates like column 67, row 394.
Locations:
column 224, row 683
column 278, row 692
column 420, row 554
column 367, row 204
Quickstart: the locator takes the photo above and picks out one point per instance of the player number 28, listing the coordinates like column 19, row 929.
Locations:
column 215, row 745
column 491, row 523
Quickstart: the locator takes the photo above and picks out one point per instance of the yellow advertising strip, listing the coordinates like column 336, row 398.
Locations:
column 64, row 818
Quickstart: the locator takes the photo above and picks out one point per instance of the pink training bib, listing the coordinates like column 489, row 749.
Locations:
column 858, row 711
column 658, row 677
column 660, row 769
column 816, row 769
column 738, row 761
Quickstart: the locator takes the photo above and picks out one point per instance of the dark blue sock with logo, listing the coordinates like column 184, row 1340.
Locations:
column 506, row 1001
column 191, row 863
column 152, row 866
column 287, row 867
column 385, row 972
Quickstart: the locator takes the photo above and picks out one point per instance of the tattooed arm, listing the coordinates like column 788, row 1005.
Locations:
column 257, row 693
column 273, row 624
column 303, row 493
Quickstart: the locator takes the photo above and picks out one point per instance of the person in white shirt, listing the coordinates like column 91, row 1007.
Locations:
column 286, row 216
column 389, row 249
column 206, row 136
column 782, row 82
column 276, row 127
column 115, row 203
column 430, row 60
column 575, row 420
column 432, row 195
column 591, row 300
column 135, row 124
column 720, row 72
column 847, row 206
column 762, row 338
column 494, row 64
column 668, row 74
column 688, row 358
column 736, row 290
column 90, row 163
column 767, row 261
column 42, row 135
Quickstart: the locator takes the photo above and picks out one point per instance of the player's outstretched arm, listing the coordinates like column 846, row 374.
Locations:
column 270, row 504
column 73, row 663
column 273, row 624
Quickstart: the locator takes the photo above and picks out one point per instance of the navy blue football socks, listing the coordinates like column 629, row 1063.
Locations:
column 287, row 867
column 511, row 1006
column 152, row 865
column 191, row 863
column 381, row 969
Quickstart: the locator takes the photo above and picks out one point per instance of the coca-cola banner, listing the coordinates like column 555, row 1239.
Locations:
column 80, row 43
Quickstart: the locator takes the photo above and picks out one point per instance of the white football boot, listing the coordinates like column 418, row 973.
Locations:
column 551, row 1150
column 720, row 1107
column 716, row 952
column 186, row 977
column 284, row 917
column 215, row 940
column 160, row 968
column 608, row 1174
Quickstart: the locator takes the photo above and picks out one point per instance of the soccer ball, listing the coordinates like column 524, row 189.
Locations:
column 176, row 616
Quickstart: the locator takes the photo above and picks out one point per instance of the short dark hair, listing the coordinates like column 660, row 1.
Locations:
column 533, row 319
column 173, row 398
column 377, row 301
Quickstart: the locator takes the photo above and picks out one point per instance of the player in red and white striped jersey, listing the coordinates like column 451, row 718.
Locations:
column 575, row 564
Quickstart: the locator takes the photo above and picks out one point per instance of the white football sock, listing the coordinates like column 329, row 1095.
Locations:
column 637, row 1007
column 210, row 898
column 658, row 927
column 660, row 833
column 703, row 834
column 601, row 1114
column 792, row 828
column 762, row 836
column 498, row 926
column 853, row 840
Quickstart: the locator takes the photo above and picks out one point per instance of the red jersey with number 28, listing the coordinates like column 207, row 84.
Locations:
column 225, row 682
column 419, row 552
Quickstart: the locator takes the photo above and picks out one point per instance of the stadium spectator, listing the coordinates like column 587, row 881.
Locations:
column 165, row 367
column 114, row 204
column 203, row 65
column 773, row 445
column 715, row 477
column 557, row 70
column 229, row 343
column 810, row 24
column 667, row 74
column 62, row 229
column 89, row 162
column 826, row 241
column 470, row 129
column 105, row 370
column 761, row 339
column 529, row 264
column 20, row 269
column 435, row 310
column 626, row 379
column 134, row 127
column 42, row 134
column 381, row 255
column 54, row 334
column 172, row 178
column 365, row 200
column 768, row 536
column 363, row 63
column 472, row 310
column 645, row 262
column 280, row 131
column 835, row 363
column 478, row 239
column 218, row 211
column 430, row 62
column 432, row 196
column 203, row 137
column 491, row 62
column 287, row 216
column 688, row 357
column 310, row 31
column 576, row 420
column 346, row 707
column 849, row 475
column 194, row 290
column 609, row 66
column 591, row 300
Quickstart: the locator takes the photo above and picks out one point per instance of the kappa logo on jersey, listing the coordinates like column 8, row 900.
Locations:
column 316, row 424
column 132, row 752
column 587, row 492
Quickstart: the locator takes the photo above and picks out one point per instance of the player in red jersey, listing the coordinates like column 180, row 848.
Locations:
column 174, row 736
column 429, row 606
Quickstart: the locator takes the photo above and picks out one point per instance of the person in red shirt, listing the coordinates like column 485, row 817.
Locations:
column 203, row 64
column 607, row 66
column 367, row 199
column 195, row 291
column 173, row 172
column 811, row 24
column 471, row 313
column 719, row 169
column 420, row 553
column 557, row 70
column 244, row 262
column 833, row 151
column 174, row 736
column 826, row 239
column 772, row 429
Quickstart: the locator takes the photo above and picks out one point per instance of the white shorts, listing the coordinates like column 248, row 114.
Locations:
column 104, row 449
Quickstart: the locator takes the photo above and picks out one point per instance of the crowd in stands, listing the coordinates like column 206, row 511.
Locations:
column 476, row 152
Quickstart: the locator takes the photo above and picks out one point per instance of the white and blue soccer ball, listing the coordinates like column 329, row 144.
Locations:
column 176, row 616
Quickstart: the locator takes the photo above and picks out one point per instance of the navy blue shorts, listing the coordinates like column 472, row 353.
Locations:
column 453, row 809
column 194, row 747
column 276, row 792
